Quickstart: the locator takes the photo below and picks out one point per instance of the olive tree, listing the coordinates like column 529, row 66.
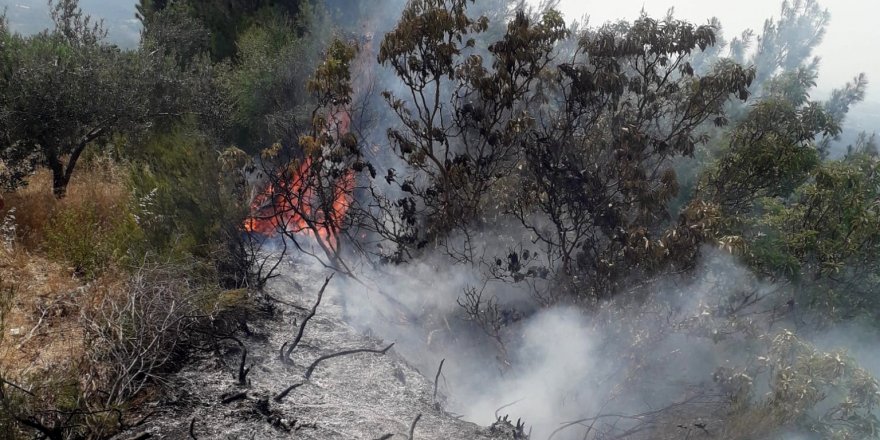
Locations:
column 65, row 89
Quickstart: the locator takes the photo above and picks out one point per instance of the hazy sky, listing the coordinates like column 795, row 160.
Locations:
column 850, row 46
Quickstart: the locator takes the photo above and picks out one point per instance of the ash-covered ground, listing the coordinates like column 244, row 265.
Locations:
column 361, row 396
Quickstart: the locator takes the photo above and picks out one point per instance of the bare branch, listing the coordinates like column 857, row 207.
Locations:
column 314, row 365
column 302, row 326
column 412, row 428
column 437, row 379
column 233, row 397
column 287, row 391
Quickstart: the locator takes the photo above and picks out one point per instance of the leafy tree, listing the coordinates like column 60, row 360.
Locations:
column 772, row 150
column 599, row 160
column 795, row 217
column 787, row 43
column 65, row 89
column 463, row 112
column 266, row 83
column 146, row 9
column 224, row 19
column 176, row 33
column 62, row 90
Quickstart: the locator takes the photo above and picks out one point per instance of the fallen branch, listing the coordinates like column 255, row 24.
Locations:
column 437, row 378
column 281, row 353
column 242, row 371
column 287, row 391
column 302, row 327
column 312, row 367
column 13, row 385
column 412, row 428
column 234, row 397
column 286, row 303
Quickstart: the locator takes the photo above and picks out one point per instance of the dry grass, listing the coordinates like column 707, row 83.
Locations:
column 82, row 309
column 100, row 183
column 41, row 328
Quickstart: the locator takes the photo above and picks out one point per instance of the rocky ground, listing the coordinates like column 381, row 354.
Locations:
column 361, row 396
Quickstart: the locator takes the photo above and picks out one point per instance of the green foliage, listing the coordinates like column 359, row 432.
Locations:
column 90, row 238
column 787, row 43
column 266, row 84
column 147, row 9
column 184, row 201
column 797, row 218
column 225, row 20
column 65, row 89
column 61, row 90
column 813, row 391
column 771, row 152
column 176, row 33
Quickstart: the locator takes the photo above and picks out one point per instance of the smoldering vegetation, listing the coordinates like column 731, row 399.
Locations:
column 643, row 229
column 701, row 315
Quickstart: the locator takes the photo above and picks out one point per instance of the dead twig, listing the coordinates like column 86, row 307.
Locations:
column 286, row 303
column 287, row 391
column 314, row 365
column 506, row 406
column 242, row 371
column 143, row 419
column 302, row 327
column 437, row 378
column 412, row 428
column 233, row 397
column 4, row 381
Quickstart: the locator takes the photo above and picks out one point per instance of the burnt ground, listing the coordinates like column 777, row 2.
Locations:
column 361, row 396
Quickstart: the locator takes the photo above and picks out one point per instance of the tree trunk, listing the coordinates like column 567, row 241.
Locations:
column 60, row 179
column 61, row 173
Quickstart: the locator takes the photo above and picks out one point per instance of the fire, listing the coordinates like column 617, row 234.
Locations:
column 291, row 204
column 294, row 203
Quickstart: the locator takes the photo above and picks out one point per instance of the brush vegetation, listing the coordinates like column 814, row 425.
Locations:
column 609, row 157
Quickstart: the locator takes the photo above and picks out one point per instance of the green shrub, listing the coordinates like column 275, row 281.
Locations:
column 90, row 239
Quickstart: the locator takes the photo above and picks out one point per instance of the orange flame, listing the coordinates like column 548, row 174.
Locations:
column 293, row 207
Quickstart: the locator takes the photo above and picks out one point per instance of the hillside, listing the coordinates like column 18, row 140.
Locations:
column 362, row 396
column 431, row 219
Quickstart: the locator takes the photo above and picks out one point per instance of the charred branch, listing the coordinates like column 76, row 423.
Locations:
column 234, row 397
column 278, row 398
column 302, row 327
column 437, row 379
column 314, row 364
column 412, row 427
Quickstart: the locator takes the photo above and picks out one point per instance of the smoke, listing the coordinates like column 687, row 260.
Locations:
column 648, row 360
column 661, row 361
column 562, row 363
